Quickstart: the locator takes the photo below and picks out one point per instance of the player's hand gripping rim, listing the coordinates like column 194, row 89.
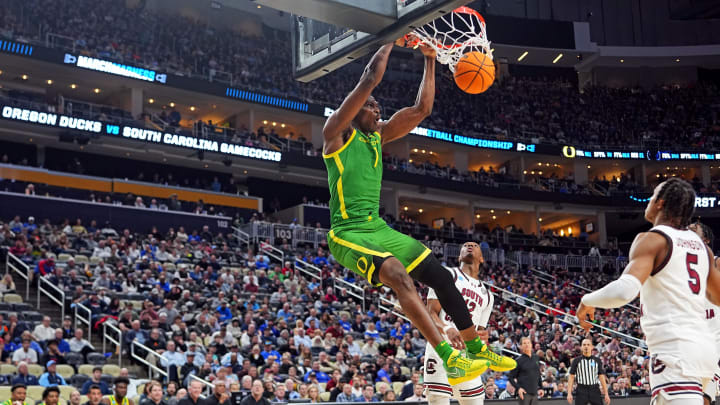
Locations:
column 412, row 41
column 584, row 313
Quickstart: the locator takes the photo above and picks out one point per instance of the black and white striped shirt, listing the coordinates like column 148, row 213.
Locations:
column 586, row 370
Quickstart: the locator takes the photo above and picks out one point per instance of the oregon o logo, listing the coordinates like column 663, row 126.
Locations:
column 568, row 151
column 362, row 264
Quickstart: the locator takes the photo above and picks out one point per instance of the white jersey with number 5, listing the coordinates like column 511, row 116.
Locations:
column 673, row 304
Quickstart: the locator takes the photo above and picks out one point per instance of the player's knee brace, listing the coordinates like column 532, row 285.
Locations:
column 434, row 399
column 431, row 273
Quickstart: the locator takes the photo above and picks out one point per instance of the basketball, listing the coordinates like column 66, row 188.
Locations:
column 474, row 73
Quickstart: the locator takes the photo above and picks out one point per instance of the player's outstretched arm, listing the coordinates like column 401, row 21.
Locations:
column 713, row 282
column 405, row 120
column 340, row 120
column 647, row 250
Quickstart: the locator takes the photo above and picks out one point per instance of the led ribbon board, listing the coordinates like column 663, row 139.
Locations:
column 138, row 134
column 114, row 68
column 465, row 140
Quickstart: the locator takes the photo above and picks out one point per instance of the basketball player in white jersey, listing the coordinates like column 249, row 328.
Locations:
column 479, row 303
column 712, row 313
column 672, row 270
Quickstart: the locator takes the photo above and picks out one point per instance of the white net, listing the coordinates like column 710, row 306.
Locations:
column 454, row 35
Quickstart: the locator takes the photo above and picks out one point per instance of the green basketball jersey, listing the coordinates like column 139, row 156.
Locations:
column 354, row 176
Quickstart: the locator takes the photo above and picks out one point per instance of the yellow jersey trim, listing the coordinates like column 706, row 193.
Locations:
column 353, row 246
column 417, row 261
column 337, row 152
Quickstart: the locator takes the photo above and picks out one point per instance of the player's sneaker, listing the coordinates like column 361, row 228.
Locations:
column 460, row 368
column 497, row 362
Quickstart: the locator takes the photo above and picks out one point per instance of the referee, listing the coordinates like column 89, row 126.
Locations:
column 590, row 376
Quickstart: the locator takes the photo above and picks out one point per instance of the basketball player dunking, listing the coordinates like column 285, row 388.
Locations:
column 712, row 313
column 672, row 270
column 479, row 302
column 361, row 241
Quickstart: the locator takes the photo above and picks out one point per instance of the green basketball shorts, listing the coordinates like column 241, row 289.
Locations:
column 363, row 247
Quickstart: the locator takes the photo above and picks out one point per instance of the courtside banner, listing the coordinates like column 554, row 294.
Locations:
column 135, row 133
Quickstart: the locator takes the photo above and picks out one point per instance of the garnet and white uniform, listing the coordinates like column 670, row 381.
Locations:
column 712, row 313
column 673, row 318
column 479, row 302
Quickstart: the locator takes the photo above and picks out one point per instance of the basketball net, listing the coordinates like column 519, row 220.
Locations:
column 454, row 35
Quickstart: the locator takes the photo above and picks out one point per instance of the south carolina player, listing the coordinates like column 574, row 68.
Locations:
column 672, row 269
column 439, row 383
column 712, row 313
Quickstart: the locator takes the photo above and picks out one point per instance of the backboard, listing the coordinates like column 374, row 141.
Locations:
column 327, row 34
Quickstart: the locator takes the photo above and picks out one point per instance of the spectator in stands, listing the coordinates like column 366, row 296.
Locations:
column 7, row 285
column 417, row 394
column 44, row 332
column 508, row 393
column 62, row 345
column 25, row 354
column 408, row 389
column 172, row 361
column 80, row 345
column 45, row 266
column 193, row 394
column 155, row 395
column 23, row 377
column 5, row 354
column 51, row 378
column 368, row 394
column 94, row 395
column 51, row 396
column 220, row 395
column 256, row 395
column 75, row 398
column 119, row 393
column 95, row 381
column 53, row 353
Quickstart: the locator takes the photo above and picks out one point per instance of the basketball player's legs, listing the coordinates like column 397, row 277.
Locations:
column 670, row 386
column 436, row 399
column 662, row 400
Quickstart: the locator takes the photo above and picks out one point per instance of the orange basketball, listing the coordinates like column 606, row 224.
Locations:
column 474, row 73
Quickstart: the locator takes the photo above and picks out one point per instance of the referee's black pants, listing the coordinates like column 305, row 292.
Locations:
column 588, row 394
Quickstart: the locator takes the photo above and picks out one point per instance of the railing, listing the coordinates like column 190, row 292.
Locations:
column 568, row 261
column 308, row 269
column 108, row 327
column 390, row 306
column 21, row 269
column 59, row 299
column 151, row 367
column 569, row 318
column 272, row 251
column 241, row 235
column 353, row 290
column 60, row 41
column 79, row 318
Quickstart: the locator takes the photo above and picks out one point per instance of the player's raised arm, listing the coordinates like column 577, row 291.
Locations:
column 405, row 120
column 647, row 251
column 340, row 120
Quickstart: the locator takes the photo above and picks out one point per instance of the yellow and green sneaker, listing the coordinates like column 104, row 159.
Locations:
column 497, row 362
column 460, row 368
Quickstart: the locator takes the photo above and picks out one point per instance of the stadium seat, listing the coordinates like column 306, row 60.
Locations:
column 63, row 257
column 140, row 389
column 397, row 387
column 8, row 369
column 81, row 259
column 325, row 397
column 83, row 399
column 97, row 359
column 4, row 391
column 35, row 391
column 322, row 386
column 36, row 370
column 65, row 391
column 78, row 380
column 74, row 359
column 86, row 369
column 111, row 369
column 65, row 371
column 95, row 260
column 377, row 386
column 405, row 370
column 12, row 298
